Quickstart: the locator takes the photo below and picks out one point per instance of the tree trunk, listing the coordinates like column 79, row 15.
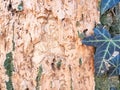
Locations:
column 42, row 36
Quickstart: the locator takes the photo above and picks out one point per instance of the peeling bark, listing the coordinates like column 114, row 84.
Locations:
column 45, row 33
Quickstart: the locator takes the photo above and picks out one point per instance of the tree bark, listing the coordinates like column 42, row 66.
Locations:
column 45, row 34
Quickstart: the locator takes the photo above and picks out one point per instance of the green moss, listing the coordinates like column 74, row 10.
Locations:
column 106, row 19
column 39, row 77
column 101, row 83
column 20, row 6
column 59, row 64
column 110, row 19
column 106, row 83
column 81, row 35
column 71, row 84
column 115, row 27
column 9, row 85
column 13, row 45
column 13, row 42
column 8, row 64
column 80, row 61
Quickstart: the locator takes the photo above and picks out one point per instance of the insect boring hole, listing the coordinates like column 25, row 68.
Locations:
column 9, row 7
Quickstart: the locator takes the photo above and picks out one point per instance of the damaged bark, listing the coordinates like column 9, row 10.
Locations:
column 44, row 33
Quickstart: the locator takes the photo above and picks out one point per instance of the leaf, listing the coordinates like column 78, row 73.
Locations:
column 106, row 19
column 114, row 68
column 115, row 27
column 102, row 83
column 105, row 47
column 107, row 4
column 113, row 88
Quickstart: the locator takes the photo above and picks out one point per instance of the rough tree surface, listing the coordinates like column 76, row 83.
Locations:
column 45, row 33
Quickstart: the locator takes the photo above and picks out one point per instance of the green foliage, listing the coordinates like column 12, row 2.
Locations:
column 102, row 83
column 39, row 77
column 105, row 48
column 105, row 83
column 110, row 19
column 115, row 28
column 107, row 19
column 107, row 4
